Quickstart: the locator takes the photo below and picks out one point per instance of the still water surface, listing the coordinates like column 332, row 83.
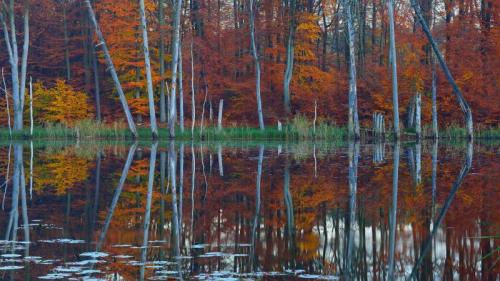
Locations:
column 246, row 211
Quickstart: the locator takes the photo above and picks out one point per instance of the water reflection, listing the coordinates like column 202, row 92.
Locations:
column 271, row 211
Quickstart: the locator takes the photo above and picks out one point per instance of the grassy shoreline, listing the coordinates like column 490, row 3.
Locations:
column 293, row 132
column 300, row 128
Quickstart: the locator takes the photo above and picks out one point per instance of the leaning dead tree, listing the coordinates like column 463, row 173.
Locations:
column 18, row 76
column 147, row 64
column 458, row 94
column 111, row 69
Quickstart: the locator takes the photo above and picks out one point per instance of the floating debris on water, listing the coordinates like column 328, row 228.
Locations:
column 9, row 256
column 94, row 254
column 62, row 241
column 11, row 267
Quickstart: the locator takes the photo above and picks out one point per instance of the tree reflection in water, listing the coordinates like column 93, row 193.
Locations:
column 369, row 220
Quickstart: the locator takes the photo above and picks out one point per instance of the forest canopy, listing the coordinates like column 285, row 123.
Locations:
column 218, row 48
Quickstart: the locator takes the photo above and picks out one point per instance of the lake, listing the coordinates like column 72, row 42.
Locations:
column 249, row 211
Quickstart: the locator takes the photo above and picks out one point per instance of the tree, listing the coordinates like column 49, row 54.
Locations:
column 290, row 49
column 353, row 122
column 145, row 48
column 111, row 69
column 395, row 102
column 18, row 78
column 456, row 90
column 252, row 7
column 175, row 61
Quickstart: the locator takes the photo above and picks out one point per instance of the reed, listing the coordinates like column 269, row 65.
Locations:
column 300, row 128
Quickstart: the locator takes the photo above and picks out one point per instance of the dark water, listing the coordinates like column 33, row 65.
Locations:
column 246, row 211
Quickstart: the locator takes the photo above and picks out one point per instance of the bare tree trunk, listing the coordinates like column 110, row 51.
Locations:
column 353, row 122
column 193, row 100
column 458, row 94
column 219, row 117
column 66, row 43
column 395, row 102
column 149, row 78
column 418, row 116
column 257, row 64
column 290, row 50
column 435, row 129
column 161, row 21
column 181, row 89
column 175, row 60
column 202, row 123
column 111, row 68
column 31, row 107
column 6, row 92
column 18, row 79
column 97, row 88
column 24, row 60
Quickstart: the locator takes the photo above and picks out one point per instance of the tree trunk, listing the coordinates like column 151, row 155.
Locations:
column 149, row 78
column 6, row 92
column 181, row 89
column 219, row 117
column 175, row 60
column 111, row 68
column 161, row 21
column 290, row 50
column 458, row 94
column 353, row 122
column 66, row 44
column 193, row 100
column 418, row 116
column 97, row 88
column 31, row 107
column 18, row 79
column 257, row 64
column 435, row 129
column 395, row 102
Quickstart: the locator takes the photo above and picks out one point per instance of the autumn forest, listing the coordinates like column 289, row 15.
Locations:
column 251, row 63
